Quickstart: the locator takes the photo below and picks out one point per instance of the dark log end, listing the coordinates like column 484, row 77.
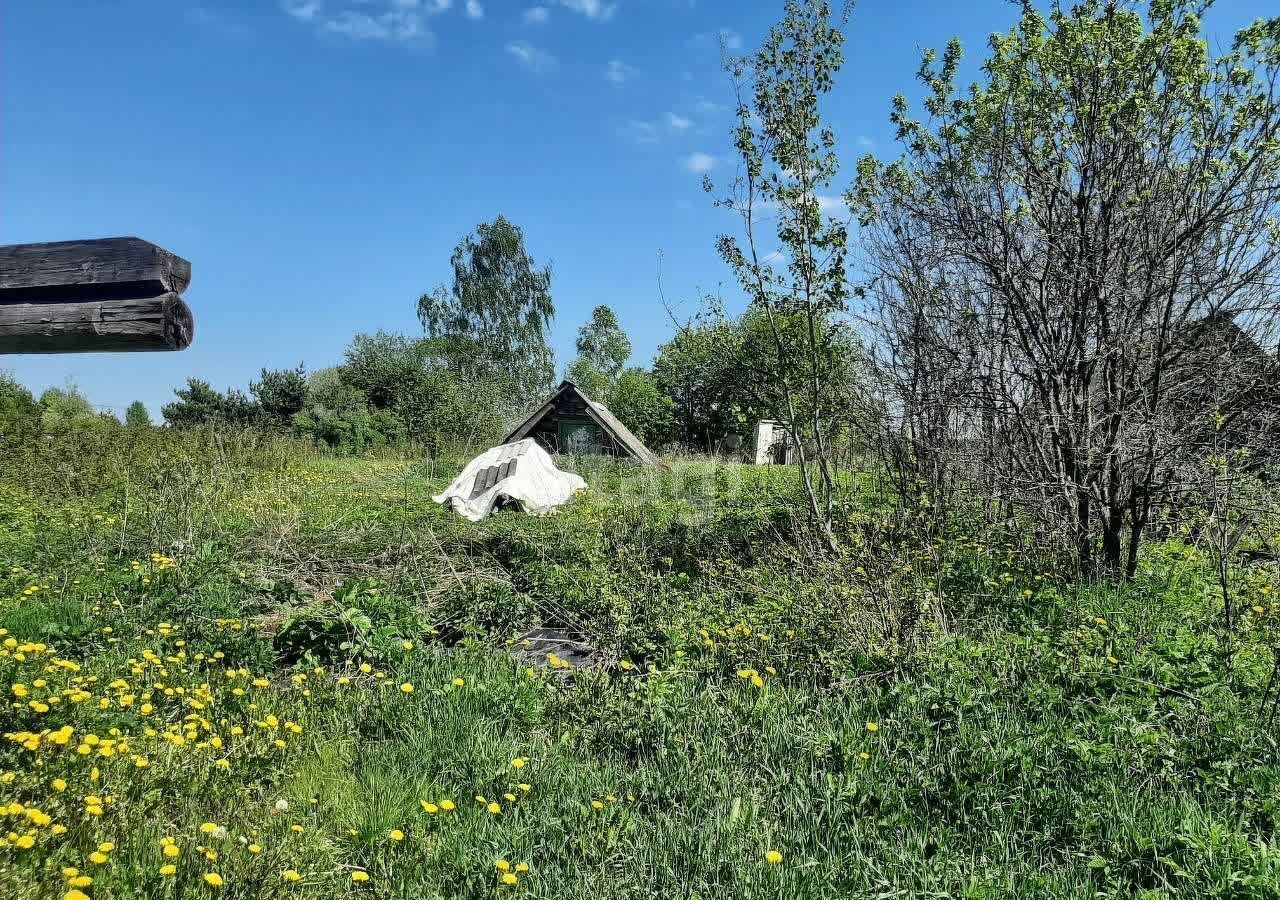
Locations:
column 179, row 324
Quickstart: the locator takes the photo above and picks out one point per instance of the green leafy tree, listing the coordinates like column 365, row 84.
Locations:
column 603, row 349
column 431, row 386
column 15, row 400
column 499, row 310
column 702, row 370
column 19, row 412
column 280, row 394
column 338, row 415
column 136, row 415
column 640, row 404
column 585, row 375
column 199, row 405
column 788, row 159
column 65, row 405
column 1062, row 233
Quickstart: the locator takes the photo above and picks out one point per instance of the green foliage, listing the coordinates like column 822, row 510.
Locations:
column 788, row 159
column 360, row 619
column 704, row 372
column 136, row 415
column 583, row 373
column 423, row 384
column 1044, row 236
column 499, row 307
column 200, row 405
column 639, row 403
column 603, row 349
column 64, row 406
column 19, row 412
column 280, row 394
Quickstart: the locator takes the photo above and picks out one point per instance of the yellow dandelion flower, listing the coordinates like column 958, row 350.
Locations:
column 168, row 869
column 447, row 805
column 458, row 682
column 359, row 876
column 502, row 865
column 291, row 875
column 429, row 808
column 493, row 808
column 406, row 688
column 519, row 762
column 396, row 834
column 872, row 727
column 213, row 879
column 773, row 857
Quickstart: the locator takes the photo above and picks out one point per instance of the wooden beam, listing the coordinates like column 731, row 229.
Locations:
column 104, row 295
column 160, row 322
column 121, row 265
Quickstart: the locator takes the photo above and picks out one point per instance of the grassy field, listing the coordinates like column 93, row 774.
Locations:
column 234, row 669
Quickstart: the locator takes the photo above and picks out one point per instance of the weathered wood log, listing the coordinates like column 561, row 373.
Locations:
column 161, row 322
column 112, row 267
column 107, row 295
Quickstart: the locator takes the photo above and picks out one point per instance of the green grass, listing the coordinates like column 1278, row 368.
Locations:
column 1021, row 747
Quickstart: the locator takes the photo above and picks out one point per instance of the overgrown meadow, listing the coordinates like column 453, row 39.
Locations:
column 235, row 668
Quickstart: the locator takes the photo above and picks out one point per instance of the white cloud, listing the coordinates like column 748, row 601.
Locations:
column 395, row 21
column 865, row 142
column 678, row 123
column 592, row 9
column 536, row 15
column 531, row 57
column 831, row 205
column 406, row 27
column 306, row 10
column 474, row 9
column 617, row 71
column 699, row 163
column 638, row 131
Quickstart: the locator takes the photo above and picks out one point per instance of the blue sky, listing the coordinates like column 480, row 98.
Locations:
column 317, row 160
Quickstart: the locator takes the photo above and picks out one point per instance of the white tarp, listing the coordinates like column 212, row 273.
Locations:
column 521, row 472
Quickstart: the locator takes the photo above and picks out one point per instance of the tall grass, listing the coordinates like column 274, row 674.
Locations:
column 909, row 719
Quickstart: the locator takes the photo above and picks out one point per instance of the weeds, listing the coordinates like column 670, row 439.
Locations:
column 904, row 719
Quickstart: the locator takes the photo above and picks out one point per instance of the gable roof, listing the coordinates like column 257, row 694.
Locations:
column 597, row 412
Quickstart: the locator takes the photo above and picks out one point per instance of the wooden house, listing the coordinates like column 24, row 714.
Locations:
column 571, row 422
